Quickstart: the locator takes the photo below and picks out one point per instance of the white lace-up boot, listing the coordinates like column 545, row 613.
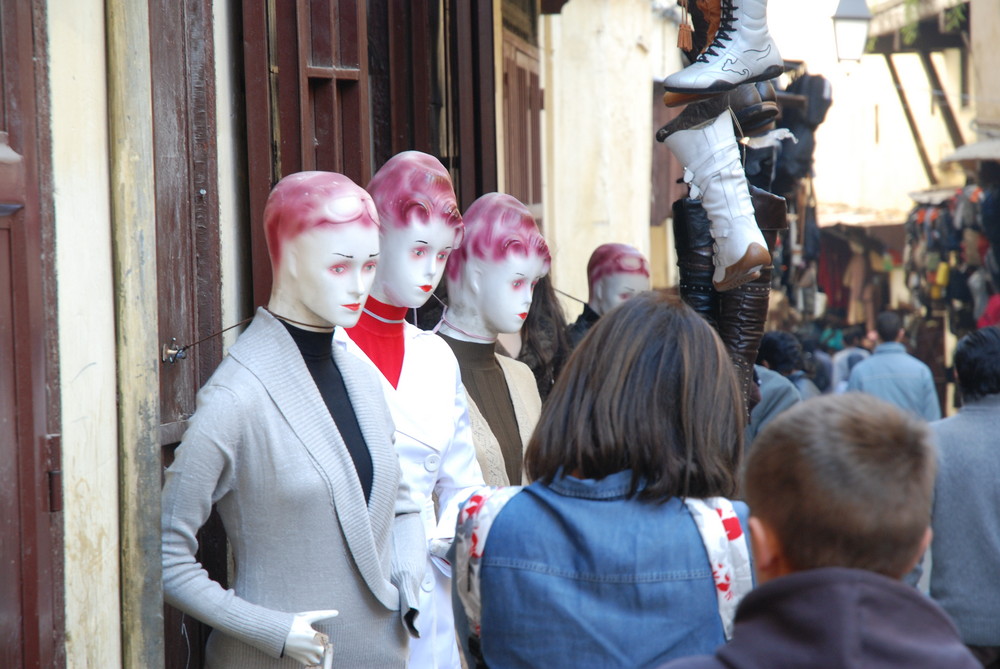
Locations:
column 711, row 160
column 741, row 52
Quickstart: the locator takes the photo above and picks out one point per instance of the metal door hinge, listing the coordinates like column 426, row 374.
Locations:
column 53, row 463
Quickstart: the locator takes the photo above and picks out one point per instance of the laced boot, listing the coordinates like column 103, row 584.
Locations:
column 743, row 310
column 711, row 159
column 741, row 52
column 705, row 16
column 693, row 243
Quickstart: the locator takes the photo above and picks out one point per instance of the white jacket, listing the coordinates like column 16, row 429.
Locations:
column 434, row 443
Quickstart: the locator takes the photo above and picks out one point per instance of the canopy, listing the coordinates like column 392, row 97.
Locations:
column 987, row 149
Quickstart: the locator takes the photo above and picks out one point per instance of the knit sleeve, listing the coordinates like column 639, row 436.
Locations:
column 204, row 472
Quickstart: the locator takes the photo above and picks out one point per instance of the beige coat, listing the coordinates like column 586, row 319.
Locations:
column 527, row 408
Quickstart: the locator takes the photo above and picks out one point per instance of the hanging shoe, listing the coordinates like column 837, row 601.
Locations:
column 743, row 310
column 681, row 99
column 749, row 110
column 693, row 243
column 705, row 16
column 741, row 52
column 711, row 159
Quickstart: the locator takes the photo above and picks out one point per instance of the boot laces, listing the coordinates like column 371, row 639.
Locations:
column 726, row 26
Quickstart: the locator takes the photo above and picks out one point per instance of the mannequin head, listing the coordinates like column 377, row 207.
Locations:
column 322, row 236
column 492, row 277
column 421, row 226
column 615, row 273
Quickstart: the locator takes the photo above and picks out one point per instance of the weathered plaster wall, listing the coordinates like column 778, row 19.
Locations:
column 234, row 249
column 985, row 21
column 865, row 156
column 599, row 61
column 87, row 336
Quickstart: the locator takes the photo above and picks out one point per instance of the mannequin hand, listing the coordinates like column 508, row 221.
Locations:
column 302, row 643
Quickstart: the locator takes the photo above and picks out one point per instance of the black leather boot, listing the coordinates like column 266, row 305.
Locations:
column 743, row 310
column 693, row 243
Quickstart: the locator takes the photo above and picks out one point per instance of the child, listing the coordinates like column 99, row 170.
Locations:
column 840, row 490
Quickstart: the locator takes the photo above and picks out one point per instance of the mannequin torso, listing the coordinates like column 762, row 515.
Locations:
column 265, row 449
column 419, row 376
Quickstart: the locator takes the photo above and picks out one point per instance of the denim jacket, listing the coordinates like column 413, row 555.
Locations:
column 892, row 374
column 575, row 574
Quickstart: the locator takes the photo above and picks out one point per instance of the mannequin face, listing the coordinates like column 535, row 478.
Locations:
column 330, row 271
column 412, row 261
column 504, row 290
column 611, row 290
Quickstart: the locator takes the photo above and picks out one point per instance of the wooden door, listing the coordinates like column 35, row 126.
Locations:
column 306, row 82
column 522, row 114
column 30, row 500
column 187, row 250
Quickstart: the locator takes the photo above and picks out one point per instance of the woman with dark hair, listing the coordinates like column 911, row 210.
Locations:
column 624, row 551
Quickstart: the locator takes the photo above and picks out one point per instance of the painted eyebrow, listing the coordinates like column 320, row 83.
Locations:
column 342, row 255
column 373, row 255
column 422, row 241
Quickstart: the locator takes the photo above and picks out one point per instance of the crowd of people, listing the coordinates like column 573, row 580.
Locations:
column 396, row 497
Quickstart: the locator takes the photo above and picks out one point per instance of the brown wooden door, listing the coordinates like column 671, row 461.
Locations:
column 187, row 255
column 306, row 82
column 522, row 114
column 30, row 597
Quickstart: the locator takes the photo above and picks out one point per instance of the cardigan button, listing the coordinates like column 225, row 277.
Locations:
column 432, row 462
column 428, row 583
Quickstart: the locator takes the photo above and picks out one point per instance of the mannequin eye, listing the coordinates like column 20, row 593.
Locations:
column 518, row 283
column 338, row 269
column 442, row 255
column 534, row 283
column 419, row 252
column 370, row 266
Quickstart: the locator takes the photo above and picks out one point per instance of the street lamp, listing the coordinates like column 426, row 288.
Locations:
column 850, row 29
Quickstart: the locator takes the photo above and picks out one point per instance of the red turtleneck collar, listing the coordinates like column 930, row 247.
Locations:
column 382, row 342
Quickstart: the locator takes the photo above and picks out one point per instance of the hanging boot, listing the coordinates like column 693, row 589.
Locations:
column 705, row 16
column 741, row 52
column 711, row 159
column 743, row 310
column 749, row 110
column 693, row 243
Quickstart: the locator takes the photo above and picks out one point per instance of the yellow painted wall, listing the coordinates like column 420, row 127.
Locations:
column 76, row 38
column 985, row 21
column 599, row 61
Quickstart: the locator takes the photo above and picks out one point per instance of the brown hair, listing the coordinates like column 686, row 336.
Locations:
column 844, row 481
column 650, row 389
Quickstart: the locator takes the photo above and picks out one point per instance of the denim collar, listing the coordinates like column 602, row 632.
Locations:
column 614, row 486
column 890, row 347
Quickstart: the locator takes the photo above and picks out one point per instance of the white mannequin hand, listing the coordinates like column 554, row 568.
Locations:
column 301, row 644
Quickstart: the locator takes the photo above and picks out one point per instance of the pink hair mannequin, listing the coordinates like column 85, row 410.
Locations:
column 615, row 273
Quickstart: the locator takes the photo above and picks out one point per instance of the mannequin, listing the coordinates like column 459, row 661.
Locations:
column 421, row 225
column 491, row 279
column 615, row 272
column 291, row 442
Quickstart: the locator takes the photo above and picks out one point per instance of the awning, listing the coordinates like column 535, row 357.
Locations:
column 987, row 149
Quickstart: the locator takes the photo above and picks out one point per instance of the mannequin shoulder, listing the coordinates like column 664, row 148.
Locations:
column 349, row 362
column 516, row 371
column 429, row 344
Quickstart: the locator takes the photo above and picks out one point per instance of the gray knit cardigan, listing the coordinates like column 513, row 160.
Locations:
column 264, row 449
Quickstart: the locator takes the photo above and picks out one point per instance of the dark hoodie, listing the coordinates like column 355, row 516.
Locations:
column 838, row 619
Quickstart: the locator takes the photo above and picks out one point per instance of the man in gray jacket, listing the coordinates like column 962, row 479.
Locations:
column 894, row 375
column 965, row 571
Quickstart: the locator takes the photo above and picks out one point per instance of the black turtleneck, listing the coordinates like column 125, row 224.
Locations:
column 316, row 349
